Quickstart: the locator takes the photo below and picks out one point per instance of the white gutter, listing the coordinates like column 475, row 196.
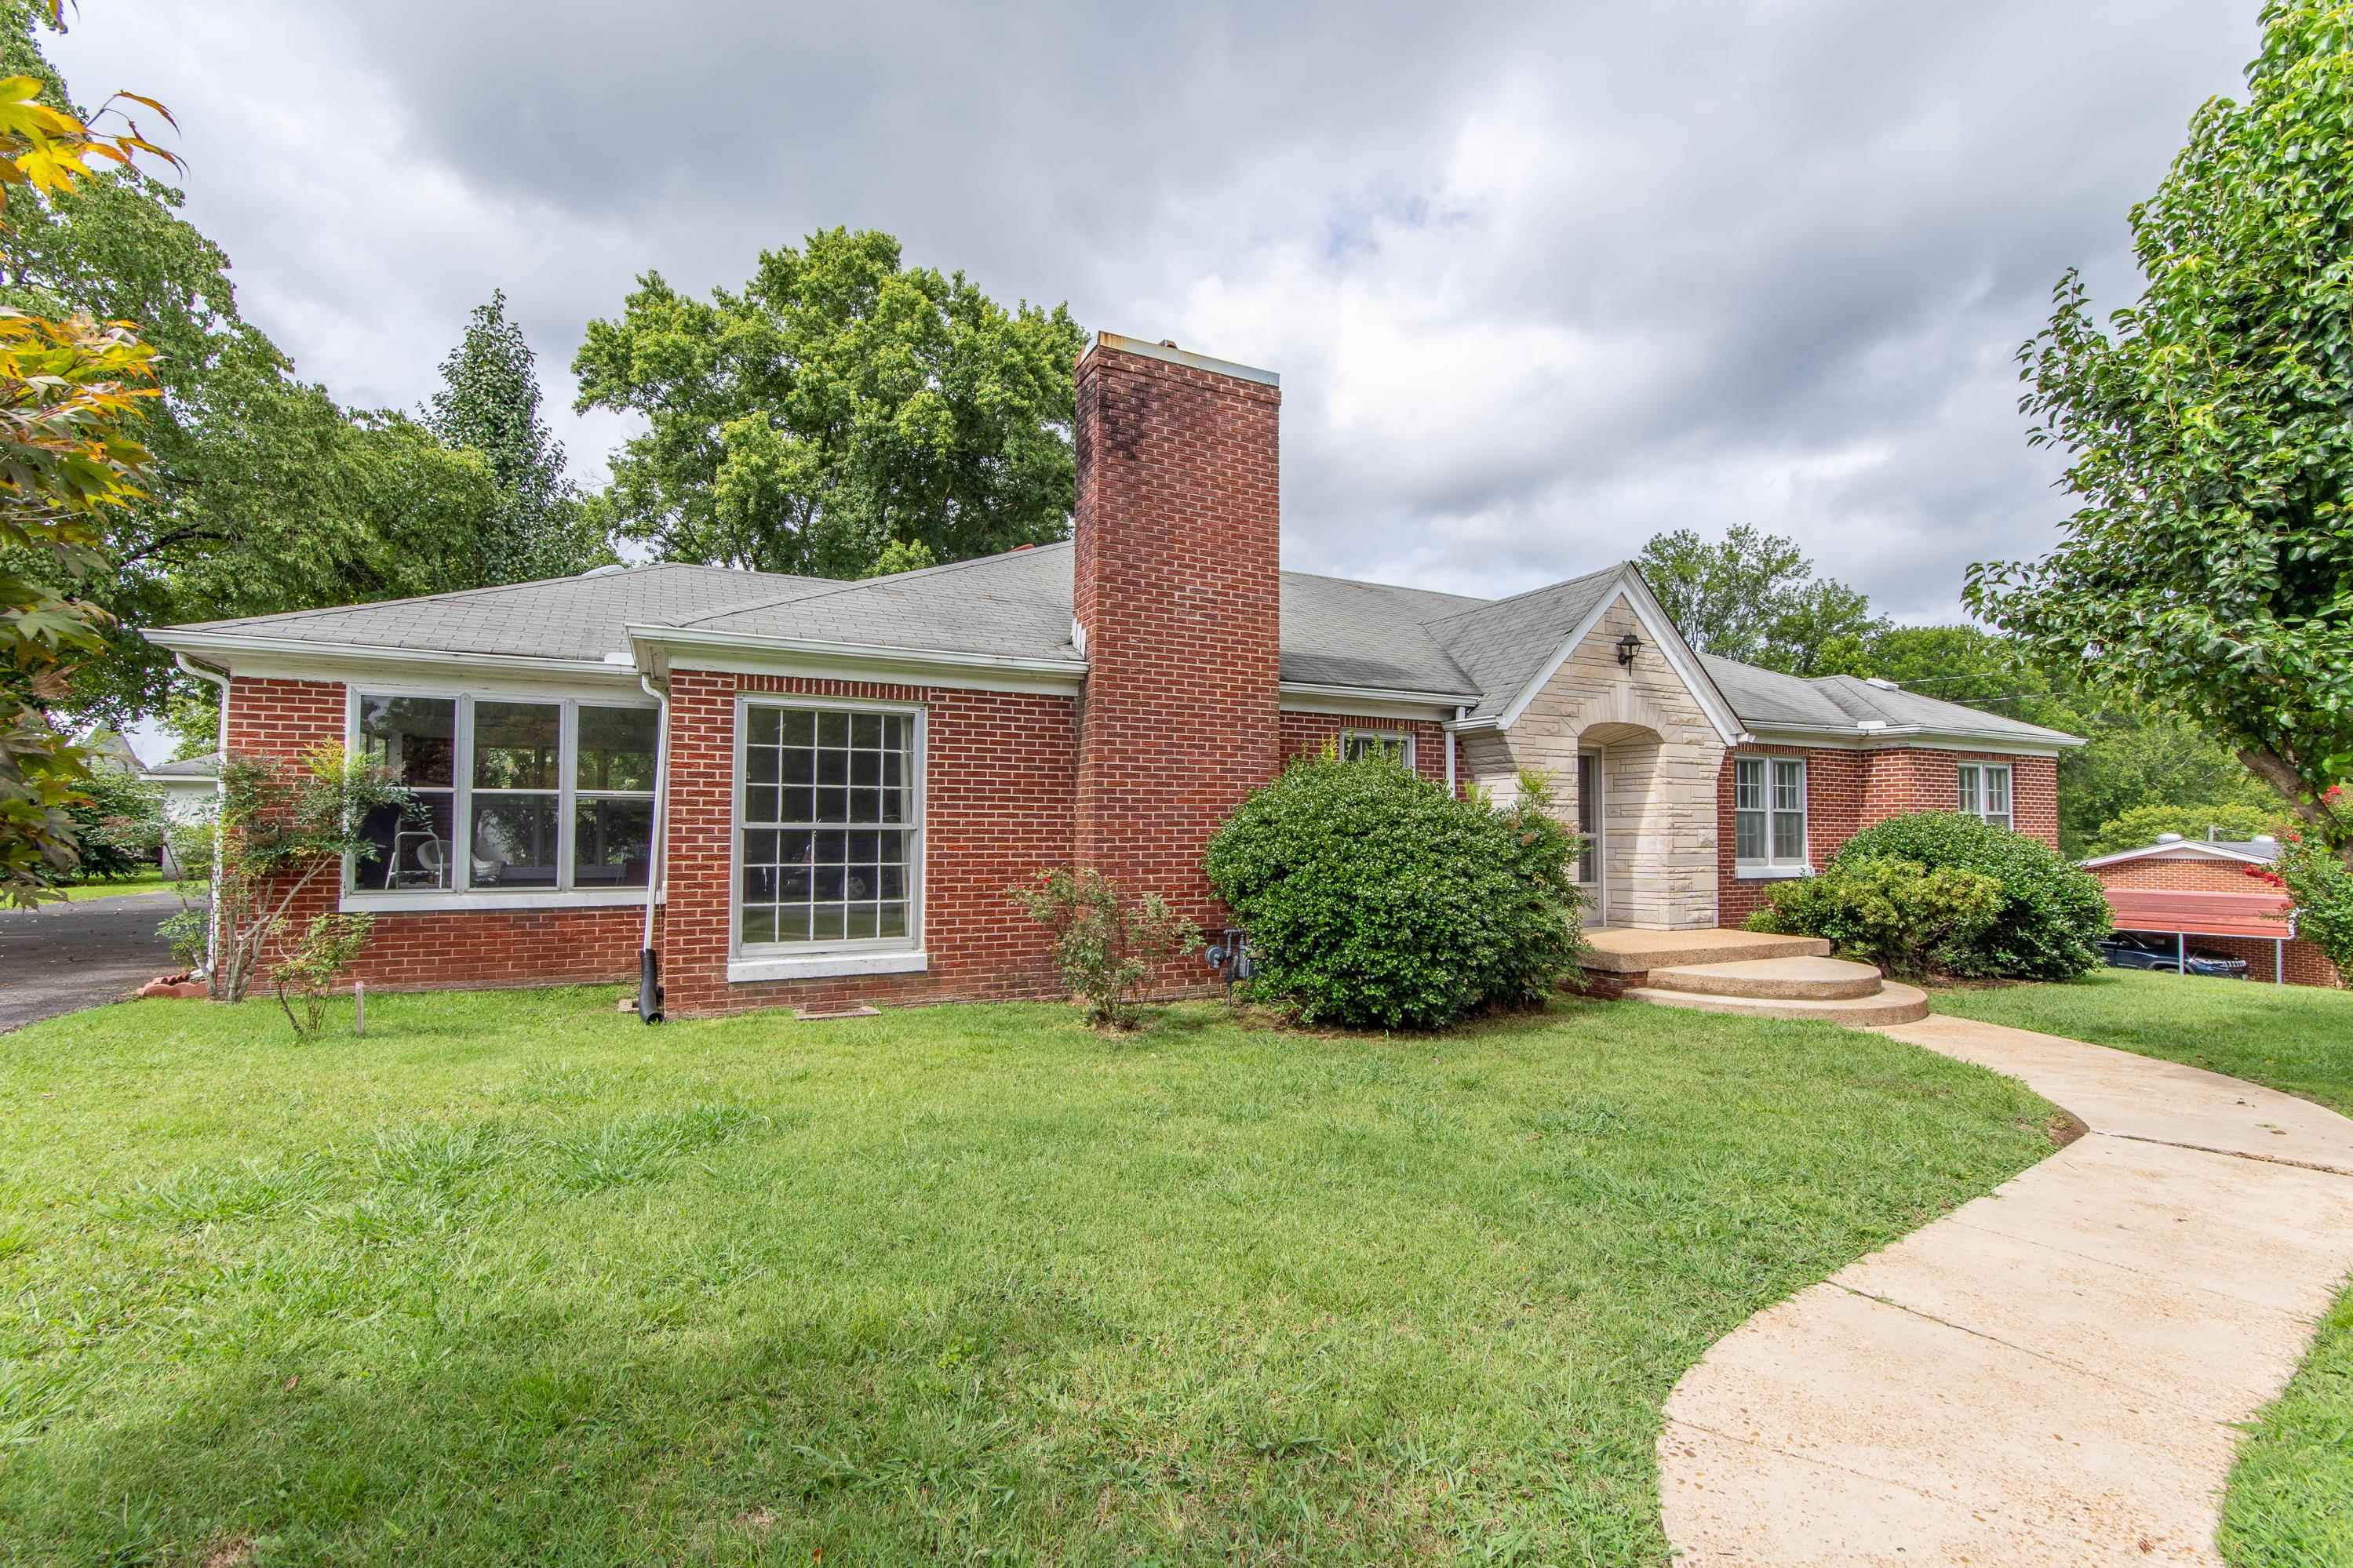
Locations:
column 1456, row 699
column 1878, row 730
column 690, row 638
column 232, row 642
column 220, row 798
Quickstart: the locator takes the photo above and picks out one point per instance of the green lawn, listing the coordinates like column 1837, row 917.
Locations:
column 518, row 1279
column 2291, row 1498
column 150, row 882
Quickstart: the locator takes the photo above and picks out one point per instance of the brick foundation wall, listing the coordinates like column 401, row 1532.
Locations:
column 1178, row 586
column 1307, row 734
column 430, row 950
column 998, row 809
column 1847, row 791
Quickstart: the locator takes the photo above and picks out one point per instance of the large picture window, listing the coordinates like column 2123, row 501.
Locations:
column 1985, row 791
column 546, row 796
column 828, row 828
column 1769, row 816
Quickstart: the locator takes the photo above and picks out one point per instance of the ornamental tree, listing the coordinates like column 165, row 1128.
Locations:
column 2209, row 566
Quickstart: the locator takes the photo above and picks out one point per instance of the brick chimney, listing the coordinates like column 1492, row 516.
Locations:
column 1177, row 603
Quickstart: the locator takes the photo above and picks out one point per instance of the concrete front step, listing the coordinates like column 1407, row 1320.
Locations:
column 1619, row 950
column 1806, row 979
column 1893, row 1003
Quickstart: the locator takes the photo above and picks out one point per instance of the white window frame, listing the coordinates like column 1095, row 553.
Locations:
column 1772, row 865
column 460, row 894
column 1969, row 781
column 863, row 955
column 1382, row 741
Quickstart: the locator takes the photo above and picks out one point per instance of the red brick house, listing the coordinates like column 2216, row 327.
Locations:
column 2198, row 888
column 815, row 792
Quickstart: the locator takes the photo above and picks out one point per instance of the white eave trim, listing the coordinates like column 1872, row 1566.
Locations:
column 1854, row 737
column 1668, row 642
column 2195, row 846
column 1371, row 702
column 305, row 649
column 742, row 644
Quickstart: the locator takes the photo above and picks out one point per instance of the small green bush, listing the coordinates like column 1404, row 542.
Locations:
column 1901, row 915
column 2052, row 912
column 1109, row 946
column 1376, row 900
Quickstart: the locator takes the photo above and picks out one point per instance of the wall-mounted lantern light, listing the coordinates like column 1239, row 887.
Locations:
column 1627, row 646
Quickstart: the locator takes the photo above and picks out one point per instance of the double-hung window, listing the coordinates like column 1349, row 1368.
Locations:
column 513, row 796
column 829, row 832
column 1768, row 816
column 1390, row 745
column 1985, row 791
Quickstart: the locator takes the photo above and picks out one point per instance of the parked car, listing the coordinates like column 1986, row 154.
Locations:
column 2151, row 950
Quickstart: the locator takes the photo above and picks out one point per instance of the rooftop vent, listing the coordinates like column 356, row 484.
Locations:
column 609, row 566
column 2169, row 838
column 1884, row 685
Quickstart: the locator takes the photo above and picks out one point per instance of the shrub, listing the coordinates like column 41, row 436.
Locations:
column 2052, row 913
column 1901, row 915
column 1108, row 945
column 309, row 972
column 2320, row 882
column 118, row 821
column 1375, row 898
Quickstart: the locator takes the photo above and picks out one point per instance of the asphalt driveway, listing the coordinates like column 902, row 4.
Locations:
column 61, row 956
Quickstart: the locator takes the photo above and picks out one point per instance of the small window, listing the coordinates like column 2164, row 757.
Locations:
column 827, row 849
column 1768, row 814
column 1985, row 791
column 1390, row 745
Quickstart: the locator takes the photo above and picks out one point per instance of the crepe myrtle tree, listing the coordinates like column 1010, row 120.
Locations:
column 279, row 827
column 2209, row 566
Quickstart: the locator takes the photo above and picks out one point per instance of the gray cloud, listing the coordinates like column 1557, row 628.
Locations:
column 1540, row 279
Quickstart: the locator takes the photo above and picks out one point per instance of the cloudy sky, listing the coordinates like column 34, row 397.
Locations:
column 1540, row 280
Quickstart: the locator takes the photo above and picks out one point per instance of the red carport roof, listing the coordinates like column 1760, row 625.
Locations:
column 2264, row 915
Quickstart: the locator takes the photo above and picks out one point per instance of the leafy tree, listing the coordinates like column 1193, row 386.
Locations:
column 901, row 556
column 1754, row 596
column 263, row 493
column 2210, row 566
column 838, row 402
column 489, row 402
column 118, row 821
column 2139, row 827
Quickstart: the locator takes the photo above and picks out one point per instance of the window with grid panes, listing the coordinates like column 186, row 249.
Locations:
column 1768, row 814
column 827, row 846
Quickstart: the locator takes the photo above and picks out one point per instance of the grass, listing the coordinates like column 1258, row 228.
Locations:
column 518, row 1279
column 2290, row 1503
column 146, row 882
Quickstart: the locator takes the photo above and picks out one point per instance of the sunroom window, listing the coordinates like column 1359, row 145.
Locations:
column 1769, row 816
column 546, row 796
column 827, row 846
column 1389, row 745
column 1985, row 791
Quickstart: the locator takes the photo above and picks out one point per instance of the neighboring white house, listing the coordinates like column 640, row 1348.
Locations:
column 187, row 786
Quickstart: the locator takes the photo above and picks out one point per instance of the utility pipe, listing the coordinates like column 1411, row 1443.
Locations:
column 649, row 962
column 220, row 796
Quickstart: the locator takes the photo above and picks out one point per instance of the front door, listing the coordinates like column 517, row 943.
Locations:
column 1590, row 821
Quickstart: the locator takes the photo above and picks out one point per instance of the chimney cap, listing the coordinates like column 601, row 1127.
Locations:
column 1169, row 353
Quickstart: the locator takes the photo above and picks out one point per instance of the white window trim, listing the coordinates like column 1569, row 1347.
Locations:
column 1381, row 737
column 815, row 960
column 2008, row 820
column 1773, row 868
column 356, row 900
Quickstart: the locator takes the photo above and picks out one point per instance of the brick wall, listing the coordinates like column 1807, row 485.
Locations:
column 1178, row 587
column 431, row 950
column 997, row 808
column 1847, row 791
column 1307, row 734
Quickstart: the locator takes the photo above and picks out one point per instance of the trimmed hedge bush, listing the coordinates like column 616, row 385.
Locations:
column 1898, row 914
column 1375, row 898
column 2052, row 913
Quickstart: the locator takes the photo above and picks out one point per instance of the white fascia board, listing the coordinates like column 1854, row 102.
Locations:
column 1373, row 702
column 1845, row 738
column 1664, row 637
column 295, row 659
column 2194, row 846
column 659, row 648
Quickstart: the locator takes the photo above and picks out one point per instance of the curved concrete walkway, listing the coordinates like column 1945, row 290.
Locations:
column 2050, row 1375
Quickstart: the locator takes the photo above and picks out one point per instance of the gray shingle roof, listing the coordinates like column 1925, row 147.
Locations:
column 203, row 767
column 1336, row 631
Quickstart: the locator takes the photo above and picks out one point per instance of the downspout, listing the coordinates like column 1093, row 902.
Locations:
column 1460, row 709
column 220, row 794
column 649, row 997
